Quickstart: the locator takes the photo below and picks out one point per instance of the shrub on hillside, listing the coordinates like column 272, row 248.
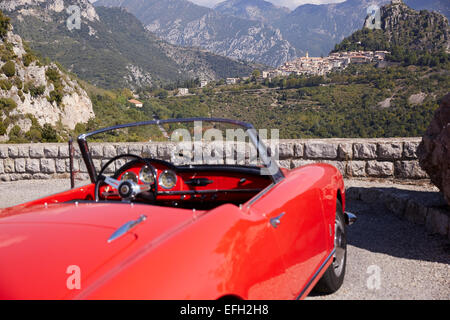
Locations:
column 4, row 25
column 9, row 69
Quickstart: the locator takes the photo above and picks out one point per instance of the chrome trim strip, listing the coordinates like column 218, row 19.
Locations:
column 316, row 274
column 126, row 227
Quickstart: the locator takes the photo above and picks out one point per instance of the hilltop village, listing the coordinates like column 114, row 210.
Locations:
column 319, row 66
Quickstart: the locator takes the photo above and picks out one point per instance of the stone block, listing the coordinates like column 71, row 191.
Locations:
column 33, row 165
column 410, row 149
column 150, row 151
column 51, row 151
column 20, row 165
column 96, row 151
column 364, row 151
column 23, row 151
column 286, row 150
column 390, row 151
column 36, row 151
column 48, row 166
column 380, row 169
column 136, row 149
column 409, row 170
column 122, row 149
column 60, row 165
column 13, row 151
column 299, row 149
column 109, row 151
column 41, row 176
column 356, row 169
column 345, row 151
column 9, row 166
column 284, row 164
column 64, row 151
column 320, row 150
column 3, row 152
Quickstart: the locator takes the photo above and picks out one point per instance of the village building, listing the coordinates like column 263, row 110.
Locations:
column 136, row 103
column 320, row 66
column 183, row 91
column 230, row 81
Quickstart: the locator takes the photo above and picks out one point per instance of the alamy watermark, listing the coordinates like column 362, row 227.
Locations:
column 374, row 17
column 73, row 281
column 230, row 146
column 374, row 280
column 74, row 19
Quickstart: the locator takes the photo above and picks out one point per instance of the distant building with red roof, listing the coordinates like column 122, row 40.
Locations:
column 136, row 103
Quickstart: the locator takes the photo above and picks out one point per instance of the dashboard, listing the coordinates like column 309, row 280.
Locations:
column 193, row 182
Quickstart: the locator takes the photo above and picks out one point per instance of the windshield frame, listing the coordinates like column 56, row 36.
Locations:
column 276, row 173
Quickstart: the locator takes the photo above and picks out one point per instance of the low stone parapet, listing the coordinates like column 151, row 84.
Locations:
column 377, row 158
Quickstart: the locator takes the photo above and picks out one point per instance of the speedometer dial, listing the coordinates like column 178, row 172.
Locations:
column 130, row 176
column 168, row 179
column 146, row 175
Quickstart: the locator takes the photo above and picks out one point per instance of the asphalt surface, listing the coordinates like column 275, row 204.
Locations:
column 387, row 258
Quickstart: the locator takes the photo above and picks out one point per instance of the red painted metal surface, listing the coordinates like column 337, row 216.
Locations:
column 175, row 253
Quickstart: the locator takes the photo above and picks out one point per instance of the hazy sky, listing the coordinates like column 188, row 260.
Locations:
column 292, row 4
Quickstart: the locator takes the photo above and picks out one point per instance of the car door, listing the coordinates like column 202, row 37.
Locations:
column 295, row 216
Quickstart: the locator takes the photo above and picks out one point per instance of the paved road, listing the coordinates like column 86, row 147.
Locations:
column 388, row 258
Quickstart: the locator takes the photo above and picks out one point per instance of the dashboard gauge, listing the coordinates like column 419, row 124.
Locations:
column 130, row 176
column 168, row 179
column 146, row 175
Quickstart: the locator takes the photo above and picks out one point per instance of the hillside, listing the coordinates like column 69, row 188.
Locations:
column 412, row 37
column 231, row 28
column 362, row 101
column 259, row 10
column 317, row 28
column 183, row 23
column 111, row 49
column 35, row 97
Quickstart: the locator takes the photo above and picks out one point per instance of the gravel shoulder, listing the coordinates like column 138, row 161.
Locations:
column 388, row 258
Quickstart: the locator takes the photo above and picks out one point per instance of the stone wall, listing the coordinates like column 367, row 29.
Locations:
column 378, row 158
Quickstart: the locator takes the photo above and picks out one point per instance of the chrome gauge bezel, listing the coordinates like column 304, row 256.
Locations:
column 135, row 177
column 153, row 174
column 165, row 172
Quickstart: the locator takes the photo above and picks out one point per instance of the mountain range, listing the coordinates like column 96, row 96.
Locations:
column 257, row 30
column 184, row 23
column 111, row 48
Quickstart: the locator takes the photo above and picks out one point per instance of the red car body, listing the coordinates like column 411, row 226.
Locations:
column 176, row 253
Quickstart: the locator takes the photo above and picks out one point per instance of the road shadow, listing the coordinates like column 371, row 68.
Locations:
column 379, row 230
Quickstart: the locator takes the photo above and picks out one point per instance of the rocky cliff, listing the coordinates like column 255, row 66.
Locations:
column 183, row 23
column 109, row 47
column 33, row 94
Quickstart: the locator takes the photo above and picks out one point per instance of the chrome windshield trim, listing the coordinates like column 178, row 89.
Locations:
column 276, row 176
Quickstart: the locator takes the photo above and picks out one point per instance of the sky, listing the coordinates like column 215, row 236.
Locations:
column 291, row 4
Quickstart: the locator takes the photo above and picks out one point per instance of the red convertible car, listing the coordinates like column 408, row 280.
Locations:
column 153, row 229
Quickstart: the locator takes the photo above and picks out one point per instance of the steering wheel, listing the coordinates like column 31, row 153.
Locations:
column 128, row 190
